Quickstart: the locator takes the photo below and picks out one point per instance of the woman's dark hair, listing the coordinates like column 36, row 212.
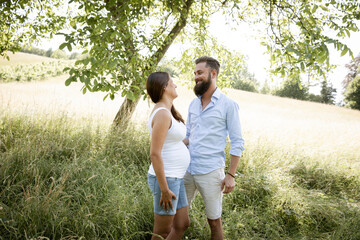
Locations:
column 155, row 86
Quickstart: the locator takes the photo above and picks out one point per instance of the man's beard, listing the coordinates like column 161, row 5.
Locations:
column 202, row 87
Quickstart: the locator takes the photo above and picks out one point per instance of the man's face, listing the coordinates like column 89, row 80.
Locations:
column 202, row 79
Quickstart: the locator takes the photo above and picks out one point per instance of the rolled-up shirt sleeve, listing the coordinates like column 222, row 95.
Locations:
column 234, row 130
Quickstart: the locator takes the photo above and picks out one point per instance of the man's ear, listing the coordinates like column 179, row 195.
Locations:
column 214, row 73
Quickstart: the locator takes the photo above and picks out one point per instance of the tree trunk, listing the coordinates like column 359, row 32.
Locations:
column 123, row 116
column 128, row 106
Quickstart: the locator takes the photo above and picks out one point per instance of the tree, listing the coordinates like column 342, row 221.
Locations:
column 352, row 94
column 265, row 88
column 233, row 64
column 26, row 21
column 292, row 89
column 49, row 52
column 126, row 40
column 245, row 85
column 244, row 80
column 352, row 84
column 59, row 54
column 327, row 92
column 353, row 67
column 124, row 49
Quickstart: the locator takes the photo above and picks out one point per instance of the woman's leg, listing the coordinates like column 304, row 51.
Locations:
column 162, row 225
column 180, row 224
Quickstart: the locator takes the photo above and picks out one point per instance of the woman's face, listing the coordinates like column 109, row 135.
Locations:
column 170, row 89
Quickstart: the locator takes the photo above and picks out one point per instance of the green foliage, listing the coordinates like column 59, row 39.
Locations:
column 33, row 72
column 26, row 21
column 297, row 90
column 352, row 94
column 59, row 54
column 62, row 178
column 232, row 64
column 246, row 85
column 265, row 88
column 352, row 84
column 66, row 181
column 292, row 89
column 327, row 92
column 244, row 80
column 36, row 51
column 168, row 66
column 125, row 41
column 297, row 39
column 315, row 98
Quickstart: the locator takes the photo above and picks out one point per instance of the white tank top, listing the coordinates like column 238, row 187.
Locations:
column 175, row 155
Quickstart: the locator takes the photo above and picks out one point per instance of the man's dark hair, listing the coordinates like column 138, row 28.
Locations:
column 210, row 62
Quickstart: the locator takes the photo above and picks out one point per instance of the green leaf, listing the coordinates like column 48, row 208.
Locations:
column 130, row 96
column 324, row 8
column 302, row 65
column 62, row 46
column 347, row 32
column 68, row 81
column 344, row 51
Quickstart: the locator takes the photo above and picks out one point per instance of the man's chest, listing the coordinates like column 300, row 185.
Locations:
column 209, row 118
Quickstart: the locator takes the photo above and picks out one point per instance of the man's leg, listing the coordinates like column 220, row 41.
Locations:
column 190, row 188
column 216, row 229
column 209, row 186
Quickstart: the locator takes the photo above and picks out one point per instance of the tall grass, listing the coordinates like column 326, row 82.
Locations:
column 62, row 178
column 66, row 181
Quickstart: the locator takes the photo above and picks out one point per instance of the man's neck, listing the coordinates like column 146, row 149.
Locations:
column 208, row 94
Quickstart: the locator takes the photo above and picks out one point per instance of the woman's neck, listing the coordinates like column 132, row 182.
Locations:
column 167, row 103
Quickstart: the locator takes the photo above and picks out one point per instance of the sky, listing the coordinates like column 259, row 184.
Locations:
column 243, row 40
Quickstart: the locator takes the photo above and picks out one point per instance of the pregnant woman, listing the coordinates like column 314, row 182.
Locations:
column 169, row 159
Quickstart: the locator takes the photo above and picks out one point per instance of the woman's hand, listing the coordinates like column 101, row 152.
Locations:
column 165, row 199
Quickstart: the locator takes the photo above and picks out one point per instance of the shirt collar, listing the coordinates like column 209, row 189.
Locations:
column 216, row 95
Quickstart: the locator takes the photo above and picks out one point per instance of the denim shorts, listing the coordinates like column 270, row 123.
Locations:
column 176, row 185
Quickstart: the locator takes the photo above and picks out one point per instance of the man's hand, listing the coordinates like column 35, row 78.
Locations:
column 228, row 183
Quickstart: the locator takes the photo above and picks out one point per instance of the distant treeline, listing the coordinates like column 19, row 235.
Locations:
column 246, row 81
column 58, row 54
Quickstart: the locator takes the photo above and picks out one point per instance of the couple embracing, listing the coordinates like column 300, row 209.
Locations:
column 191, row 159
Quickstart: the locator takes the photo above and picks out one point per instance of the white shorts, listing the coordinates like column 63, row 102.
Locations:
column 209, row 186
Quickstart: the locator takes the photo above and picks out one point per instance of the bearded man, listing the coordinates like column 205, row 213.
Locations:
column 211, row 118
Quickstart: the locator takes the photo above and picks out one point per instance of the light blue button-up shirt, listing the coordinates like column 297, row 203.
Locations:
column 207, row 131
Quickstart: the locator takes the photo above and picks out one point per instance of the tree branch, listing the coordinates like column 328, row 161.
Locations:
column 157, row 56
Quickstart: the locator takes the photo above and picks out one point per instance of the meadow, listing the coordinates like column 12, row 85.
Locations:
column 31, row 67
column 66, row 174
